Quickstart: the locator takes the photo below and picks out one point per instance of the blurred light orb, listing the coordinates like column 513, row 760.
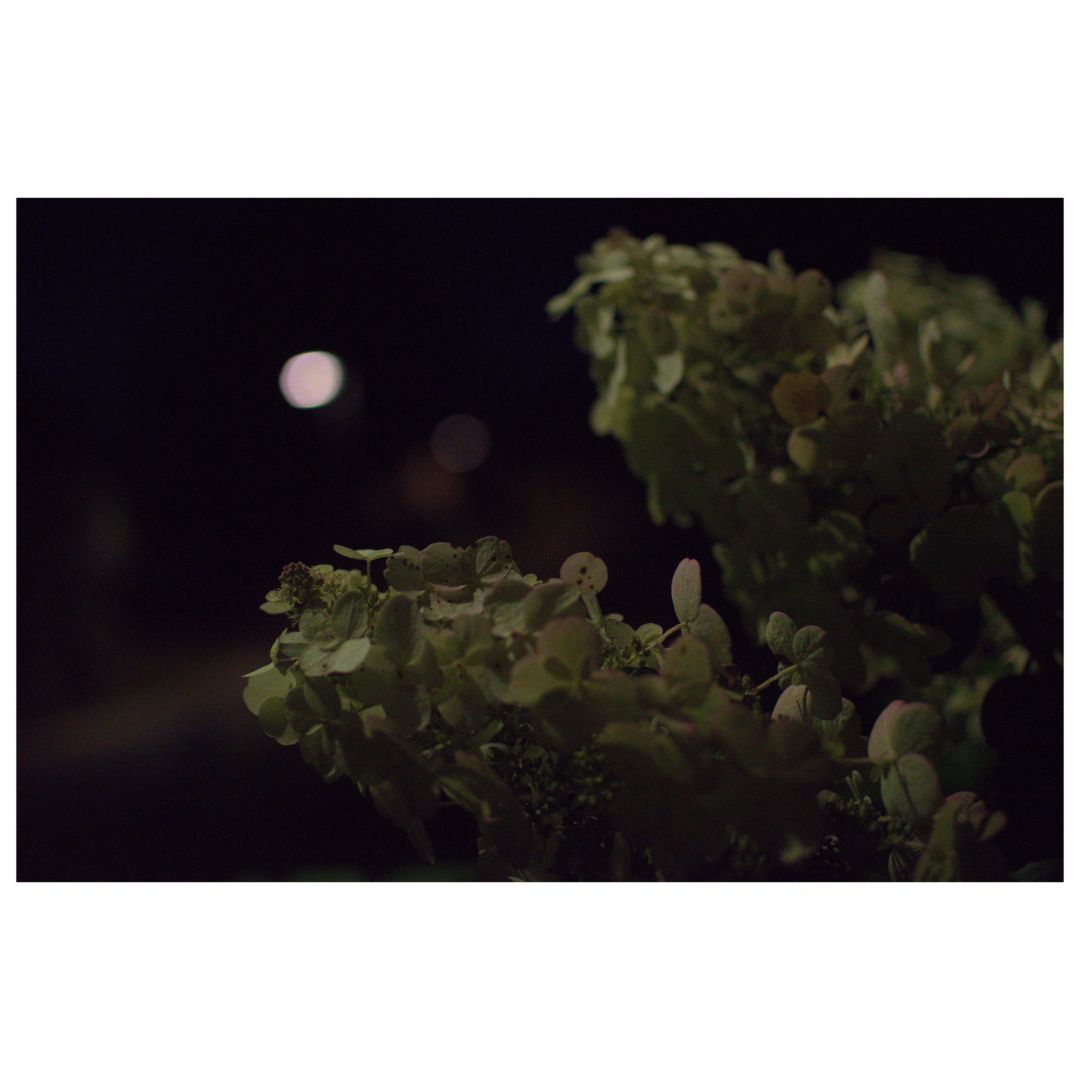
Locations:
column 311, row 379
column 460, row 443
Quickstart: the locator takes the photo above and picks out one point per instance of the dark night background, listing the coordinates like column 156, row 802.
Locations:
column 163, row 480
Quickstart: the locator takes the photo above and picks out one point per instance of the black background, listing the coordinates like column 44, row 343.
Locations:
column 163, row 480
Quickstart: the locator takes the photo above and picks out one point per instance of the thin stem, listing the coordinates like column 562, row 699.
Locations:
column 592, row 606
column 779, row 675
column 667, row 633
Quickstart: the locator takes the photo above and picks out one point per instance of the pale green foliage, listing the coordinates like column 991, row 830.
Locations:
column 904, row 728
column 909, row 433
column 583, row 747
column 959, row 845
column 686, row 590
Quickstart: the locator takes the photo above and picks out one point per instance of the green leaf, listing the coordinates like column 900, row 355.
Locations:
column 265, row 683
column 810, row 648
column 779, row 635
column 595, row 326
column 402, row 570
column 634, row 749
column 909, row 646
column 805, row 444
column 910, row 789
column 301, row 716
column 319, row 752
column 841, row 734
column 800, row 397
column 445, row 564
column 370, row 749
column 289, row 646
column 618, row 633
column 530, row 681
column 547, row 601
column 559, row 305
column 883, row 323
column 608, row 411
column 363, row 554
column 321, row 696
column 743, row 285
column 316, row 659
column 506, row 829
column 611, row 696
column 505, row 604
column 315, row 627
column 905, row 728
column 348, row 656
column 585, row 572
column 794, row 746
column 975, row 815
column 370, row 682
column 812, row 655
column 686, row 590
column 463, row 702
column 275, row 721
column 657, row 330
column 397, row 627
column 474, row 632
column 1026, row 473
column 670, row 369
column 1021, row 509
column 793, row 704
column 1048, row 531
column 491, row 559
column 940, row 861
column 686, row 661
column 407, row 795
column 350, row 616
column 570, row 644
column 812, row 292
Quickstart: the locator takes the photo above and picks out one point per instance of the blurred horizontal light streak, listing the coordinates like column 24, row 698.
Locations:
column 311, row 379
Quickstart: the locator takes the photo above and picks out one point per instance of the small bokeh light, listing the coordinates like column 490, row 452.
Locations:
column 311, row 379
column 428, row 491
column 460, row 443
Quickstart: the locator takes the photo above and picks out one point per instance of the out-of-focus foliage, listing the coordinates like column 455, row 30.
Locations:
column 590, row 749
column 885, row 461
